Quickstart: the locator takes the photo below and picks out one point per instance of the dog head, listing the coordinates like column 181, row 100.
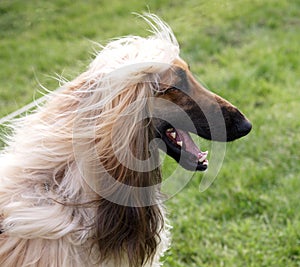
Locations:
column 136, row 90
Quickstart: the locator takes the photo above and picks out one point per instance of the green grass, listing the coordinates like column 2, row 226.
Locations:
column 245, row 50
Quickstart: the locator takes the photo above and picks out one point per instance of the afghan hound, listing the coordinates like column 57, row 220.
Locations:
column 80, row 176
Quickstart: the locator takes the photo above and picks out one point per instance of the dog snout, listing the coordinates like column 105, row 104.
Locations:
column 244, row 127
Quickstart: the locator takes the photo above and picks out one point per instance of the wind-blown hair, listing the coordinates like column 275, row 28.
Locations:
column 67, row 197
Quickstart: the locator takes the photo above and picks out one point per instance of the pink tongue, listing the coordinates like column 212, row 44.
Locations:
column 188, row 143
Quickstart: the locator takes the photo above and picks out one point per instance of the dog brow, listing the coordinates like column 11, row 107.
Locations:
column 182, row 82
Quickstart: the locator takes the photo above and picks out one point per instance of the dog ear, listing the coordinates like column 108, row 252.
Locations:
column 132, row 232
column 128, row 220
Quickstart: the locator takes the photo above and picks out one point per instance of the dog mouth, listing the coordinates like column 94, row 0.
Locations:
column 183, row 149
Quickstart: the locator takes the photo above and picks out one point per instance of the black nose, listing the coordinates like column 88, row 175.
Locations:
column 244, row 127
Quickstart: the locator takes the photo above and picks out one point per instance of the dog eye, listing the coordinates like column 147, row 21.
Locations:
column 170, row 90
column 165, row 91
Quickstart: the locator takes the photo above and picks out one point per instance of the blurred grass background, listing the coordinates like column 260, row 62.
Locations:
column 246, row 51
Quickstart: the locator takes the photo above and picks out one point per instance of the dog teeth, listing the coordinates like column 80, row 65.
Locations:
column 205, row 163
column 170, row 130
column 203, row 156
column 179, row 143
column 173, row 134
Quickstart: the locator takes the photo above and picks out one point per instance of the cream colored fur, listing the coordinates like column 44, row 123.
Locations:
column 40, row 176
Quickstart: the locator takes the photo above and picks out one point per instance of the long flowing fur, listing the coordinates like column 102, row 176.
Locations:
column 57, row 207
